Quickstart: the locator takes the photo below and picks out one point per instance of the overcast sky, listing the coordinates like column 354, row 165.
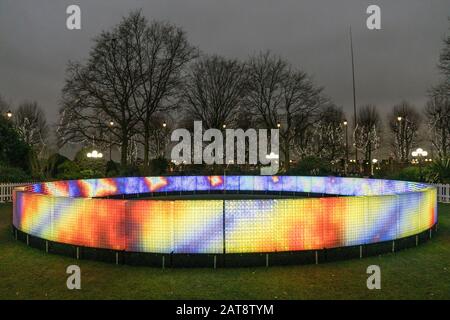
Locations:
column 394, row 63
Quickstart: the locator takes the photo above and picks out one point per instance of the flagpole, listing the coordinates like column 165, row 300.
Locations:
column 354, row 91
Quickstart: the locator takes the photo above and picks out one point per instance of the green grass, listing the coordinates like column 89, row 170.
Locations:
column 417, row 273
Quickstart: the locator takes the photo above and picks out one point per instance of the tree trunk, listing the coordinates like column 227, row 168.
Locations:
column 146, row 147
column 286, row 153
column 444, row 143
column 124, row 150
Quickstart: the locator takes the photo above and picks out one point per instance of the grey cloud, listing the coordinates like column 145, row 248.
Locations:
column 395, row 63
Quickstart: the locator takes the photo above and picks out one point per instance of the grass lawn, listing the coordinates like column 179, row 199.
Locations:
column 417, row 273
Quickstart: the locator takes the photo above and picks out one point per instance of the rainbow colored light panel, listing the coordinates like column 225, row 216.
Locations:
column 362, row 211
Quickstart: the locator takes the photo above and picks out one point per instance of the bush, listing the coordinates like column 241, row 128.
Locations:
column 68, row 170
column 53, row 162
column 112, row 169
column 312, row 166
column 129, row 171
column 438, row 171
column 158, row 166
column 14, row 152
column 12, row 174
column 89, row 168
column 410, row 173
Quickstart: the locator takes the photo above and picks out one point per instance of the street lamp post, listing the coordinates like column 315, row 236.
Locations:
column 111, row 125
column 9, row 114
column 401, row 136
column 419, row 153
column 224, row 127
column 161, row 144
column 346, row 146
column 402, row 133
column 374, row 162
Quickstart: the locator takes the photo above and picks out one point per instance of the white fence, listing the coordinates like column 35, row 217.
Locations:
column 6, row 189
column 443, row 193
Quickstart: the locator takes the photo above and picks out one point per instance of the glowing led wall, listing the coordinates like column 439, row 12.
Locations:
column 367, row 211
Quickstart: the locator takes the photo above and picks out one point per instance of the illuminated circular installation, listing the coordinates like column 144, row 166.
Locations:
column 110, row 215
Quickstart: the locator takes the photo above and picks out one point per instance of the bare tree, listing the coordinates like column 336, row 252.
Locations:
column 214, row 90
column 163, row 52
column 367, row 131
column 437, row 109
column 437, row 112
column 282, row 97
column 131, row 73
column 30, row 122
column 103, row 90
column 444, row 59
column 404, row 124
